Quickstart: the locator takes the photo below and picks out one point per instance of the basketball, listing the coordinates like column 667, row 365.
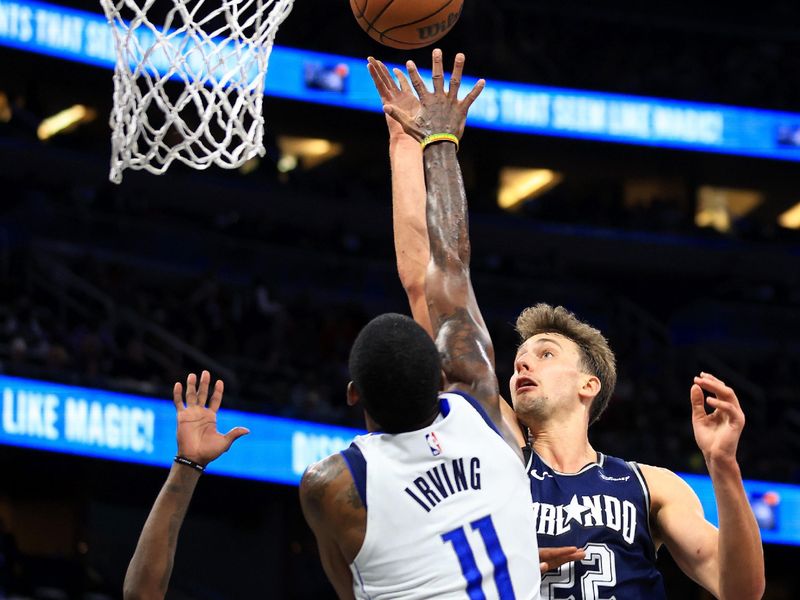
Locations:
column 406, row 24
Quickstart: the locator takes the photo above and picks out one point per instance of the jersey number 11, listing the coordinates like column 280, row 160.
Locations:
column 469, row 567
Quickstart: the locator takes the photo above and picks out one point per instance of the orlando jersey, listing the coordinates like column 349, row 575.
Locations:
column 448, row 511
column 605, row 510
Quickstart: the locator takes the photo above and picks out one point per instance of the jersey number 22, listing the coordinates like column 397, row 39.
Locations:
column 600, row 572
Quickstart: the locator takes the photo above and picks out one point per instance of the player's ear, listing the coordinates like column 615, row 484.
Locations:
column 590, row 388
column 443, row 382
column 353, row 397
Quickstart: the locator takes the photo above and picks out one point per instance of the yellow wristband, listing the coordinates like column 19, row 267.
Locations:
column 439, row 137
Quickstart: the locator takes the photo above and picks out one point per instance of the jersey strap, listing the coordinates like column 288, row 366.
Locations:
column 478, row 407
column 358, row 469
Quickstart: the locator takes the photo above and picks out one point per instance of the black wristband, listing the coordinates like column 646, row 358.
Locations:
column 182, row 460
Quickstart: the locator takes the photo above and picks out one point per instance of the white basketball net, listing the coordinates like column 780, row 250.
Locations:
column 190, row 90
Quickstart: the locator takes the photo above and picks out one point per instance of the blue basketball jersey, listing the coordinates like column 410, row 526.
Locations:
column 603, row 509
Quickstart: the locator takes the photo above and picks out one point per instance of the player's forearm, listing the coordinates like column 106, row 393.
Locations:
column 741, row 556
column 459, row 329
column 410, row 229
column 448, row 227
column 150, row 568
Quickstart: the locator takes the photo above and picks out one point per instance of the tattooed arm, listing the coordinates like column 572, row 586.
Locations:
column 150, row 568
column 460, row 331
column 336, row 515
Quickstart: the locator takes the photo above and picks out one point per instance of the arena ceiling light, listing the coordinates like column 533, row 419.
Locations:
column 519, row 185
column 791, row 218
column 65, row 121
column 718, row 207
column 305, row 152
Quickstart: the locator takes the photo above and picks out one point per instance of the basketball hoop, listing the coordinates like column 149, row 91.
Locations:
column 192, row 89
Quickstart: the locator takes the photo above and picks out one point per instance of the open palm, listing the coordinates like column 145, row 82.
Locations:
column 198, row 438
column 439, row 111
column 392, row 94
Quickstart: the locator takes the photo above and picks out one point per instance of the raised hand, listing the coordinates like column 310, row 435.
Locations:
column 716, row 433
column 198, row 438
column 401, row 96
column 440, row 111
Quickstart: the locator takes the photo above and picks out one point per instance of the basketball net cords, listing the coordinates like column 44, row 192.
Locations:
column 211, row 113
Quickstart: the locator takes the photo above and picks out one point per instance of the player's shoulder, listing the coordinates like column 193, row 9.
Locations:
column 323, row 484
column 321, row 474
column 658, row 475
column 665, row 485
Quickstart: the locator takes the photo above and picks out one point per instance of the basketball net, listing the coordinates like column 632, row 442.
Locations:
column 192, row 89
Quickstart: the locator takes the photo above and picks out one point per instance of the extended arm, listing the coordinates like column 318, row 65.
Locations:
column 728, row 562
column 150, row 568
column 460, row 332
column 408, row 192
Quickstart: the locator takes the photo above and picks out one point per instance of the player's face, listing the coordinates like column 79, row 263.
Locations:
column 547, row 377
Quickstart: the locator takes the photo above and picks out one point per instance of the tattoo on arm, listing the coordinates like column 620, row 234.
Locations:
column 464, row 348
column 151, row 566
column 353, row 498
column 461, row 334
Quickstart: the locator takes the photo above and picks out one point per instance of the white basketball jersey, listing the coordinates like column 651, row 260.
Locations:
column 448, row 511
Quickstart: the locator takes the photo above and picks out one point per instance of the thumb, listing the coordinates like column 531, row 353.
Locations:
column 234, row 434
column 398, row 115
column 698, row 402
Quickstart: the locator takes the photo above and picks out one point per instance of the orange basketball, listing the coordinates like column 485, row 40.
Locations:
column 406, row 24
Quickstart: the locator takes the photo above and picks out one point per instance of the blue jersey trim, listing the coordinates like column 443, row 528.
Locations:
column 444, row 407
column 477, row 406
column 358, row 469
column 361, row 581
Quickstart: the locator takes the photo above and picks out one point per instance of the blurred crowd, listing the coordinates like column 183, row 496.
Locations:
column 277, row 309
column 704, row 52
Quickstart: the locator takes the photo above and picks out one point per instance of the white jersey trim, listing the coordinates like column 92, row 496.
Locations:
column 640, row 476
column 601, row 458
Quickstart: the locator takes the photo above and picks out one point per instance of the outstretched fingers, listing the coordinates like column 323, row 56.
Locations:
column 191, row 389
column 438, row 72
column 382, row 79
column 202, row 390
column 473, row 94
column 416, row 79
column 401, row 78
column 177, row 396
column 378, row 81
column 216, row 396
column 455, row 78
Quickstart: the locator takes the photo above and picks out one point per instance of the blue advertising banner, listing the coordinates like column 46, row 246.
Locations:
column 123, row 427
column 343, row 81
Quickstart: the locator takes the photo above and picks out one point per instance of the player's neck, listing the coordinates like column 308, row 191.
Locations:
column 564, row 445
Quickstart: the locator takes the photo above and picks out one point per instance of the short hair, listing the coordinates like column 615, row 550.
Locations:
column 396, row 369
column 597, row 357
